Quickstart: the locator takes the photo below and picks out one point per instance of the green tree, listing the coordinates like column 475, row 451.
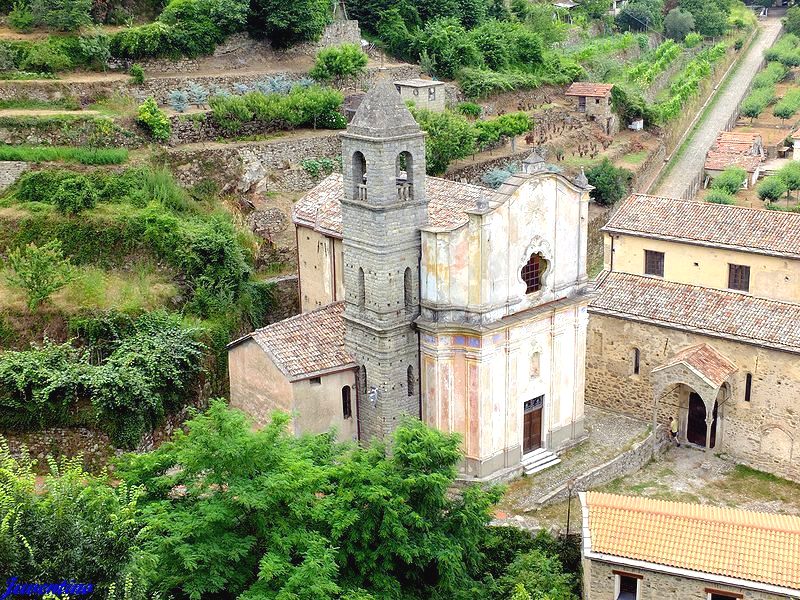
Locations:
column 447, row 45
column 719, row 196
column 450, row 137
column 790, row 174
column 39, row 271
column 64, row 15
column 792, row 20
column 610, row 183
column 287, row 23
column 266, row 514
column 710, row 16
column 339, row 62
column 730, row 180
column 540, row 575
column 771, row 188
column 678, row 24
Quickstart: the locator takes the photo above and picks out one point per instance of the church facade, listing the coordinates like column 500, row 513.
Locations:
column 462, row 306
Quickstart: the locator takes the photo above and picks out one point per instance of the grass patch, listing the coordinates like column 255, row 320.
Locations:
column 84, row 156
column 635, row 158
column 117, row 105
column 35, row 104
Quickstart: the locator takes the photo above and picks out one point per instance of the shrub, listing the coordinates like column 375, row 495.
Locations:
column 730, row 180
column 46, row 57
column 450, row 137
column 678, row 24
column 719, row 196
column 95, row 50
column 786, row 51
column 137, row 74
column 479, row 83
column 21, row 18
column 75, row 195
column 178, row 100
column 771, row 188
column 287, row 23
column 757, row 101
column 39, row 271
column 64, row 15
column 788, row 105
column 230, row 112
column 198, row 95
column 710, row 16
column 145, row 41
column 154, row 120
column 792, row 20
column 339, row 62
column 610, row 183
column 469, row 109
column 692, row 40
column 772, row 74
column 448, row 47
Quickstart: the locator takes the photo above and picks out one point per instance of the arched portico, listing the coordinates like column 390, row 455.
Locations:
column 701, row 375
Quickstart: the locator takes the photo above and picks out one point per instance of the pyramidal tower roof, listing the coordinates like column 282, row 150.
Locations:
column 382, row 113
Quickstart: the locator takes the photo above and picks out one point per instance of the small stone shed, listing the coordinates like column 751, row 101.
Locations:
column 424, row 93
column 594, row 100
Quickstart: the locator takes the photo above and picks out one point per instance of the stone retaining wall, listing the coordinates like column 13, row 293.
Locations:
column 10, row 171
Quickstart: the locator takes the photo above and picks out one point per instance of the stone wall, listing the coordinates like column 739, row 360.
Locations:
column 598, row 217
column 763, row 433
column 10, row 171
column 77, row 130
column 599, row 584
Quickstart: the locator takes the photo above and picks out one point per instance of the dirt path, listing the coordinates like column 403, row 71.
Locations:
column 686, row 169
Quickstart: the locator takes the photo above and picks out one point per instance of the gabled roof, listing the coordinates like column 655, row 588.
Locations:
column 306, row 345
column 448, row 201
column 751, row 546
column 586, row 88
column 717, row 313
column 418, row 82
column 705, row 361
column 718, row 161
column 745, row 229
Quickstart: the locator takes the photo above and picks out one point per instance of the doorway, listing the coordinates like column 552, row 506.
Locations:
column 696, row 422
column 532, row 425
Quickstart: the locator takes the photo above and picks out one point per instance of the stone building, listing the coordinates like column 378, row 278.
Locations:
column 457, row 304
column 697, row 315
column 424, row 93
column 643, row 549
column 594, row 100
column 736, row 149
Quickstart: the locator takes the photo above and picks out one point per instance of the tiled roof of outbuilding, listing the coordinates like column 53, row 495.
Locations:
column 735, row 227
column 729, row 542
column 719, row 161
column 713, row 312
column 448, row 201
column 585, row 88
column 307, row 344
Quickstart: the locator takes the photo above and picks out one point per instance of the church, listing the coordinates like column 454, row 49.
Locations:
column 462, row 306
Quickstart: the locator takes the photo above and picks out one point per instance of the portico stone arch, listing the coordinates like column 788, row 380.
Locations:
column 705, row 372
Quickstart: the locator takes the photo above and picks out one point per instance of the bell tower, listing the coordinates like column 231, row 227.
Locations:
column 383, row 208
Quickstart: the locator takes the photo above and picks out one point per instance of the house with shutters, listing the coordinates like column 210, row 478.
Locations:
column 697, row 316
column 453, row 303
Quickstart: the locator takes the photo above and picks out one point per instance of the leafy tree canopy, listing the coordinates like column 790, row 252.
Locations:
column 678, row 24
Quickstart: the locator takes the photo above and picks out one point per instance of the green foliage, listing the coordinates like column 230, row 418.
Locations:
column 480, row 83
column 629, row 103
column 757, row 100
column 692, row 40
column 710, row 16
column 790, row 174
column 785, row 51
column 63, row 15
column 719, row 196
column 21, row 18
column 337, row 520
column 339, row 62
column 641, row 15
column 145, row 41
column 302, row 106
column 74, row 195
column 84, row 156
column 137, row 74
column 644, row 72
column 771, row 188
column 287, row 23
column 71, row 522
column 788, row 105
column 508, row 125
column 46, row 57
column 791, row 22
column 610, row 183
column 39, row 271
column 678, row 24
column 687, row 84
column 773, row 73
column 320, row 167
column 540, row 575
column 154, row 120
column 449, row 48
column 469, row 109
column 730, row 180
column 450, row 137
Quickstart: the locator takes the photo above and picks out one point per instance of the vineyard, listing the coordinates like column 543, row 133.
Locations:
column 653, row 64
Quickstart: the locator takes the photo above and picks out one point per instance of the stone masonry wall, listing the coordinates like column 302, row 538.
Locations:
column 599, row 578
column 763, row 433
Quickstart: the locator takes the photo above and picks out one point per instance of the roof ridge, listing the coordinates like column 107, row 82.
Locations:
column 720, row 207
column 743, row 521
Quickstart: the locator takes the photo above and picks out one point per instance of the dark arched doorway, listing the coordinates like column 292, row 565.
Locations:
column 696, row 422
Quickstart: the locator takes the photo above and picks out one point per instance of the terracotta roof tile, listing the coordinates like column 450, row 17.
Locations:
column 307, row 344
column 746, row 229
column 753, row 546
column 705, row 360
column 448, row 201
column 717, row 161
column 746, row 318
column 585, row 88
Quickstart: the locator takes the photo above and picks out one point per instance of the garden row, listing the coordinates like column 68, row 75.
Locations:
column 727, row 184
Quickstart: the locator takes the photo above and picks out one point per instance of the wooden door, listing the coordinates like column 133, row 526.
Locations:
column 532, row 425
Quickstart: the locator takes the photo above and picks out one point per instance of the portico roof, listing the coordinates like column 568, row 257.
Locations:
column 705, row 362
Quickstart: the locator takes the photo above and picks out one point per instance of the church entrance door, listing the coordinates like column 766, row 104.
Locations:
column 532, row 425
column 696, row 425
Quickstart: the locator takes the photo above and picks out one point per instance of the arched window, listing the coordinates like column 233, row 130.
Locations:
column 636, row 358
column 364, row 379
column 404, row 171
column 361, row 288
column 408, row 294
column 359, row 176
column 347, row 408
column 532, row 273
column 410, row 380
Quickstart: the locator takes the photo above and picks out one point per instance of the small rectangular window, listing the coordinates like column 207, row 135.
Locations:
column 315, row 380
column 748, row 387
column 347, row 407
column 653, row 263
column 431, row 94
column 597, row 100
column 739, row 278
column 637, row 355
column 628, row 587
column 720, row 595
